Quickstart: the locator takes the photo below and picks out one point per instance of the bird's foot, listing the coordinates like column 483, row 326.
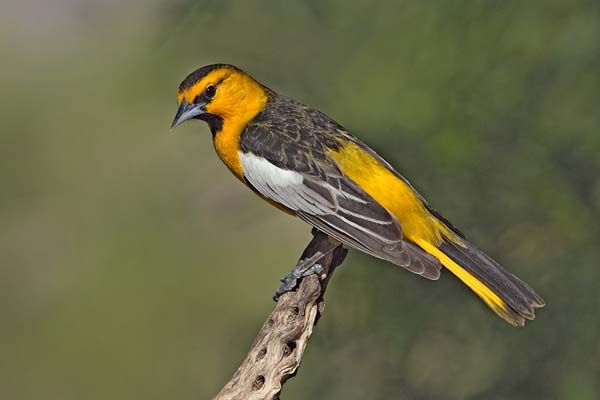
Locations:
column 290, row 281
column 309, row 262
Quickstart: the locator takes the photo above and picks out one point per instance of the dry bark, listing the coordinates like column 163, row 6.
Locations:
column 277, row 350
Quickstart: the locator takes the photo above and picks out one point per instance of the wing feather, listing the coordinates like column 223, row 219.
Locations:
column 337, row 206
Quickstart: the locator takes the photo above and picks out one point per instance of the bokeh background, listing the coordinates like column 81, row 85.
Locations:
column 133, row 266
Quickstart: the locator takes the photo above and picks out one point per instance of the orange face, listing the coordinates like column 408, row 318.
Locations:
column 224, row 92
column 227, row 99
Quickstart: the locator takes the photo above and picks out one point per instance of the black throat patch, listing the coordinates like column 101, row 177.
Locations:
column 215, row 123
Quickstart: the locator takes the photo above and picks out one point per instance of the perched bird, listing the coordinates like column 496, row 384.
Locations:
column 305, row 163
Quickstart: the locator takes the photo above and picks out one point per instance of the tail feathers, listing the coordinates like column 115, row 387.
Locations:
column 474, row 258
column 503, row 292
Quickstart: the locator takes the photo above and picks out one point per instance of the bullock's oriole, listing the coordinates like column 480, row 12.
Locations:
column 308, row 165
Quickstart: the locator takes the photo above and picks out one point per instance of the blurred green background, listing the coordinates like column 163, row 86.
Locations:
column 134, row 266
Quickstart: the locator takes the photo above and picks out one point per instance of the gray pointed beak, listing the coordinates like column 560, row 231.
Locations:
column 187, row 111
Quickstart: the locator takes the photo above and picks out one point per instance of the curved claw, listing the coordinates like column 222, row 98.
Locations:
column 290, row 281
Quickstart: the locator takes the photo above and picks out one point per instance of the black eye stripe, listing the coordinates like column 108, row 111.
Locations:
column 209, row 91
column 208, row 94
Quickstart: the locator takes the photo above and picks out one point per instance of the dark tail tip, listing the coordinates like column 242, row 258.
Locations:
column 520, row 299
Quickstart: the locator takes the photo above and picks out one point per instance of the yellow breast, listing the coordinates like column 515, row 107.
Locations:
column 237, row 103
column 227, row 144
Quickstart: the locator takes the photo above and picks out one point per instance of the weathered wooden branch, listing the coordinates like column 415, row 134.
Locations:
column 277, row 350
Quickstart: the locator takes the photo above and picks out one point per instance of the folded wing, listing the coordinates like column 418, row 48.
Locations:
column 334, row 204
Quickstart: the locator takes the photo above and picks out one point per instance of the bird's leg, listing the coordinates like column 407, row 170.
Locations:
column 308, row 264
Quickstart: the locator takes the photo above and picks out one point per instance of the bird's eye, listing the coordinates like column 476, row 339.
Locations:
column 210, row 91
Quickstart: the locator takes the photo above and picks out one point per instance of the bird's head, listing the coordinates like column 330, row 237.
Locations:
column 219, row 94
